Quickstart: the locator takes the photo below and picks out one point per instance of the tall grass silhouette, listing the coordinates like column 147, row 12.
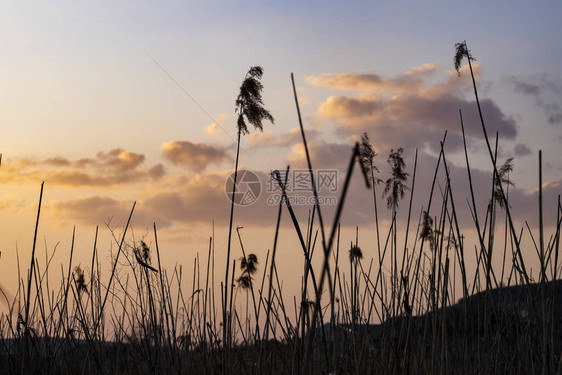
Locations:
column 394, row 314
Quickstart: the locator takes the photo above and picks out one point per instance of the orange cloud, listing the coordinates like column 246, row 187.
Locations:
column 417, row 112
column 346, row 81
column 175, row 201
column 121, row 160
column 213, row 129
column 407, row 81
column 195, row 156
column 114, row 167
column 58, row 161
column 342, row 107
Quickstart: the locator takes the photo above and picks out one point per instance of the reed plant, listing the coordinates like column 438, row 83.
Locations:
column 394, row 313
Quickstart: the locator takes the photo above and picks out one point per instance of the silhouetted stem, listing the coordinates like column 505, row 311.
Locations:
column 225, row 295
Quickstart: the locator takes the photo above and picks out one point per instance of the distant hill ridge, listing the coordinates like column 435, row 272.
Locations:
column 512, row 316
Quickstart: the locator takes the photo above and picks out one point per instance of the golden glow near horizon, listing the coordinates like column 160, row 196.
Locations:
column 111, row 105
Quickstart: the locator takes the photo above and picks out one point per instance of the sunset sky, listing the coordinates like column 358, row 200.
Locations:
column 115, row 102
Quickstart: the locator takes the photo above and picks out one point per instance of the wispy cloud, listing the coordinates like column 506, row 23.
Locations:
column 288, row 139
column 541, row 89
